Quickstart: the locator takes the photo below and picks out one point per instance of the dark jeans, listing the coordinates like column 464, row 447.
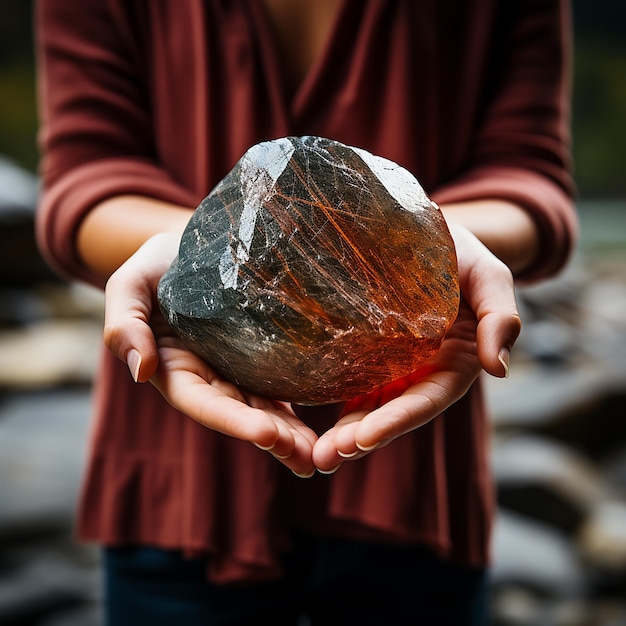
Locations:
column 327, row 582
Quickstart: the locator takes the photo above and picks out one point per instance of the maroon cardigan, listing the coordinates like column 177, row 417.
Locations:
column 162, row 99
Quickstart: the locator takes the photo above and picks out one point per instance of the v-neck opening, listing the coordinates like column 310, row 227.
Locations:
column 294, row 99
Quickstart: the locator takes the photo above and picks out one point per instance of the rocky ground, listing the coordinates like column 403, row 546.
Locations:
column 559, row 451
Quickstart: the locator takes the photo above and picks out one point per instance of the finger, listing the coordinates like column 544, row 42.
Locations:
column 343, row 435
column 300, row 460
column 420, row 403
column 488, row 287
column 292, row 444
column 327, row 455
column 499, row 323
column 400, row 416
column 196, row 390
column 292, row 434
column 129, row 297
column 339, row 443
column 132, row 341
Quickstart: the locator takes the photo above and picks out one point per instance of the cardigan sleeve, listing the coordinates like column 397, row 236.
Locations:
column 95, row 127
column 521, row 151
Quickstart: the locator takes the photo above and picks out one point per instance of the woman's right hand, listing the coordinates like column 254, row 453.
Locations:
column 136, row 333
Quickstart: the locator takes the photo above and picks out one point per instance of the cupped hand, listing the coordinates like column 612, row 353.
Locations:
column 486, row 328
column 481, row 337
column 135, row 332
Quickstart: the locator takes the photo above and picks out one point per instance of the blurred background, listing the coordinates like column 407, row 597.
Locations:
column 559, row 451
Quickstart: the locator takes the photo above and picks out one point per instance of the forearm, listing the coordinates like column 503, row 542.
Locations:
column 505, row 228
column 117, row 227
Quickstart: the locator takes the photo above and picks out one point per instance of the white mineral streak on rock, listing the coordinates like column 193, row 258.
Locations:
column 260, row 168
column 399, row 182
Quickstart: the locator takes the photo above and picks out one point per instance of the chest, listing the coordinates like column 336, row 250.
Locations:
column 301, row 29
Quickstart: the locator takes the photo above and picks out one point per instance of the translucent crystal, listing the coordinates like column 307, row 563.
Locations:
column 314, row 272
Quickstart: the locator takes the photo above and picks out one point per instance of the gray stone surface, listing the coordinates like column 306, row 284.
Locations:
column 548, row 480
column 47, row 585
column 313, row 273
column 536, row 556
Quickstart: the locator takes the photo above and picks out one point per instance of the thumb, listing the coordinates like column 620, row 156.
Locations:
column 130, row 295
column 487, row 285
column 127, row 333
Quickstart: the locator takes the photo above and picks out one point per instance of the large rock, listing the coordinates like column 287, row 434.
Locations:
column 313, row 273
column 533, row 555
column 547, row 480
column 603, row 536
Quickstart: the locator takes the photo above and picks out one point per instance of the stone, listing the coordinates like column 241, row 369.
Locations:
column 603, row 536
column 313, row 273
column 49, row 352
column 530, row 554
column 546, row 480
column 46, row 585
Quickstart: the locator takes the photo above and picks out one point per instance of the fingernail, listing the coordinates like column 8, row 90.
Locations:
column 330, row 471
column 133, row 360
column 264, row 448
column 347, row 455
column 368, row 448
column 281, row 457
column 305, row 475
column 503, row 357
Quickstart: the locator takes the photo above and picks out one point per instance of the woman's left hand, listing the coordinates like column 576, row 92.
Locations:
column 487, row 325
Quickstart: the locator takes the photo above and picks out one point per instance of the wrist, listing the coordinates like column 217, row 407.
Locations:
column 114, row 229
column 505, row 228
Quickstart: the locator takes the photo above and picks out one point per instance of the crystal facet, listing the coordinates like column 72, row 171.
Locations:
column 313, row 273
